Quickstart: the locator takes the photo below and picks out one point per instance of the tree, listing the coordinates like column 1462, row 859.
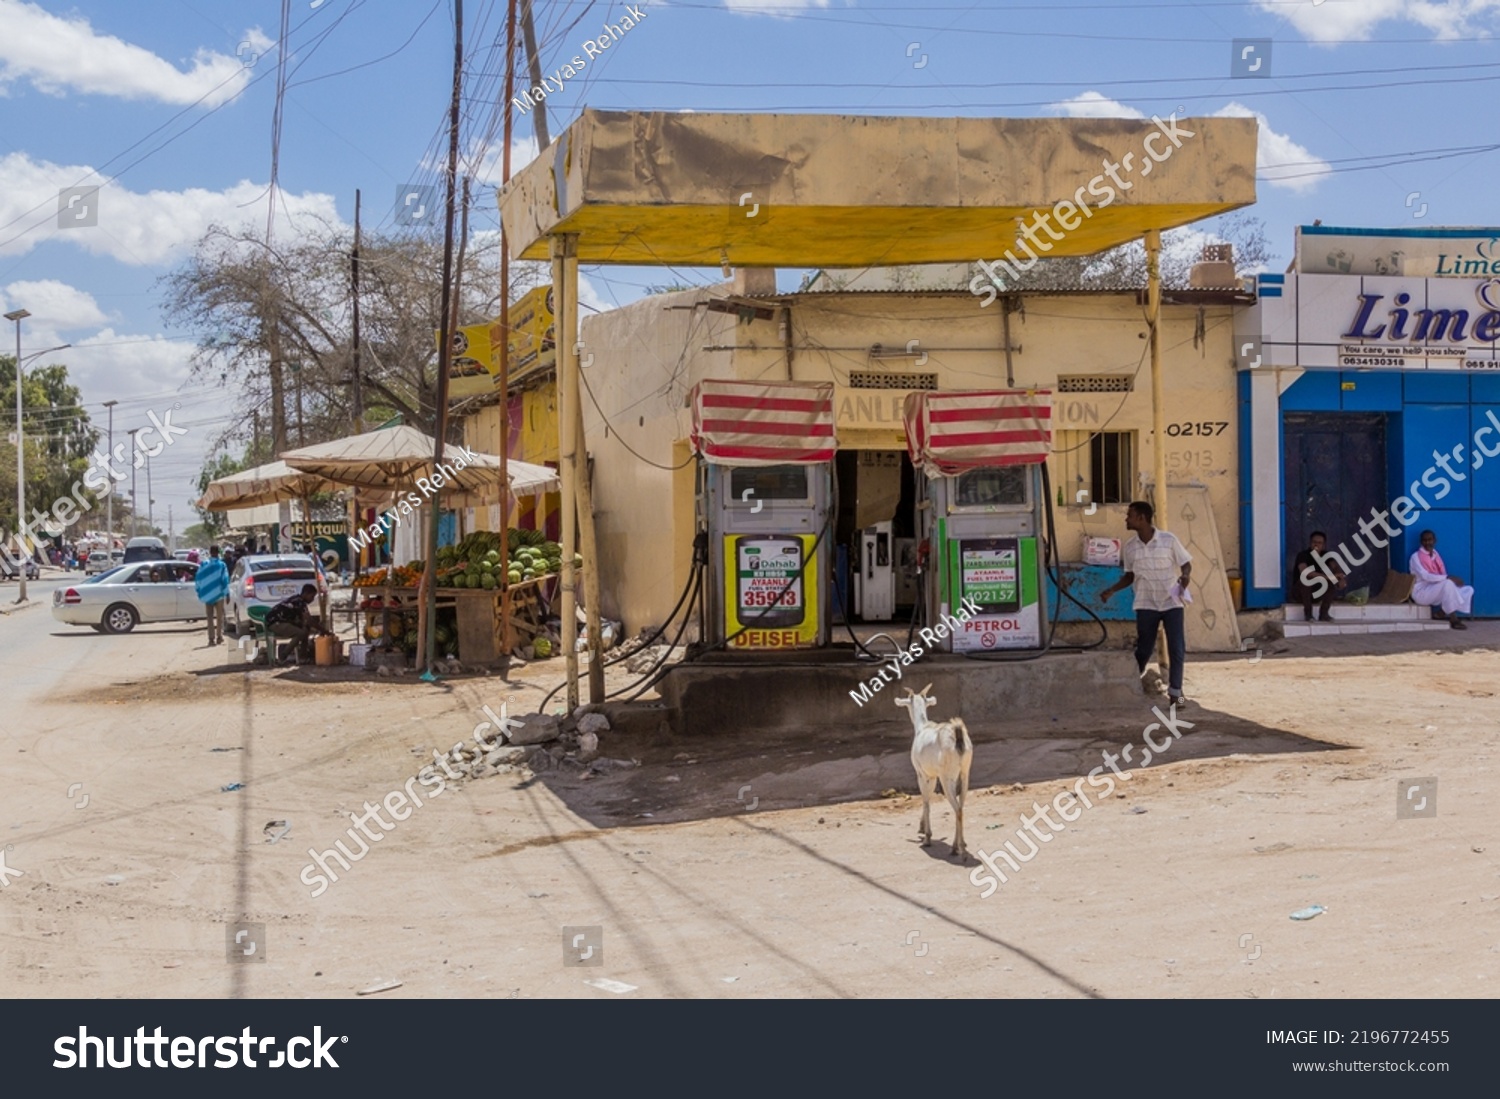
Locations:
column 215, row 522
column 60, row 440
column 1125, row 266
column 278, row 323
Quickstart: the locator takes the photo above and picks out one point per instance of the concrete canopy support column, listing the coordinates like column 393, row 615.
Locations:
column 567, row 448
column 1158, row 398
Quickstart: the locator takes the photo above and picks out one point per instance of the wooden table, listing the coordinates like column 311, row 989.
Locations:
column 491, row 622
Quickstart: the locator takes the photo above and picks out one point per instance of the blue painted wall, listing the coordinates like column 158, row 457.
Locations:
column 1428, row 414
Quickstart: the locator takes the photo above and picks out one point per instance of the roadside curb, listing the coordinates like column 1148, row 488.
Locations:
column 10, row 608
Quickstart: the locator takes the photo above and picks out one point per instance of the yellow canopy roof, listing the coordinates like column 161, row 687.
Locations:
column 768, row 190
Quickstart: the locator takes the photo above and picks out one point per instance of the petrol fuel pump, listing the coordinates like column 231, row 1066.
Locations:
column 983, row 529
column 765, row 490
column 980, row 512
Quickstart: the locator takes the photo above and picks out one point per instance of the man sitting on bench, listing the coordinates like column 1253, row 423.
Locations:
column 291, row 619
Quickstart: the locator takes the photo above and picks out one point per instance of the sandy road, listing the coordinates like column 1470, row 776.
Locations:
column 1283, row 795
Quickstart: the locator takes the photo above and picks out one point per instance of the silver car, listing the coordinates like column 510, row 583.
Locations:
column 121, row 599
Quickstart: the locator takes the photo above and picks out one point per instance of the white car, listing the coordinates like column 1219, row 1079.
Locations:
column 121, row 599
column 98, row 562
column 263, row 580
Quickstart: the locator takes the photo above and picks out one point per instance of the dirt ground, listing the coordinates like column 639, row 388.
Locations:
column 738, row 866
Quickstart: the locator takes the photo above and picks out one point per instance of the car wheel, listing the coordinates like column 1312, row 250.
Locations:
column 120, row 618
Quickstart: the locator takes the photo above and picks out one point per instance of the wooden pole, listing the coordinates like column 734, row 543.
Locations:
column 428, row 604
column 584, row 490
column 1158, row 398
column 503, row 351
column 562, row 246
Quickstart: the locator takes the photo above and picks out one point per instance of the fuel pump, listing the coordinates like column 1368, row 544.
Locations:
column 980, row 512
column 766, row 478
column 766, row 551
column 983, row 527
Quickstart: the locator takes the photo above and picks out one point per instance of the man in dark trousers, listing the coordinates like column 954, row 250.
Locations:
column 291, row 619
column 1159, row 567
column 1303, row 593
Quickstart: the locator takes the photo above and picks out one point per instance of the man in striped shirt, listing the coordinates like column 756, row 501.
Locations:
column 1159, row 567
column 212, row 583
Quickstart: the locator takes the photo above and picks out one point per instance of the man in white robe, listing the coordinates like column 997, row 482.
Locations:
column 1433, row 587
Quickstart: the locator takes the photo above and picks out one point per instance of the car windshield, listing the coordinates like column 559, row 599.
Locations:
column 105, row 575
column 276, row 564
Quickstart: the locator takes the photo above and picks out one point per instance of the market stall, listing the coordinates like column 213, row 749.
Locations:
column 489, row 618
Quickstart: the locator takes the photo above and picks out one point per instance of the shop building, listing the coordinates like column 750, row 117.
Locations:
column 1369, row 389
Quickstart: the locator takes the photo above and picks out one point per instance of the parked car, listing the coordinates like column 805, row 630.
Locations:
column 263, row 580
column 8, row 570
column 98, row 562
column 121, row 599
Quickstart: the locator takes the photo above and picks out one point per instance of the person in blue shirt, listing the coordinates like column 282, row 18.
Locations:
column 212, row 583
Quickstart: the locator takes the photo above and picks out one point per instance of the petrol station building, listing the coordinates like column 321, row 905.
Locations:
column 844, row 377
column 875, row 347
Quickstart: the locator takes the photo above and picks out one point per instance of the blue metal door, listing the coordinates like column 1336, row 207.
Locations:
column 1335, row 475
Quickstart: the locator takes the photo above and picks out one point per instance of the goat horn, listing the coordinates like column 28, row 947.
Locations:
column 926, row 689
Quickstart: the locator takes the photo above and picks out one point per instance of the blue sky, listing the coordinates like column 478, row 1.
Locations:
column 168, row 106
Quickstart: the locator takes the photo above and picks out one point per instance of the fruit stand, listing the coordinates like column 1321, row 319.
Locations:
column 479, row 618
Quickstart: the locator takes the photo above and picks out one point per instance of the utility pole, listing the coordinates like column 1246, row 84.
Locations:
column 150, row 500
column 255, row 452
column 445, row 349
column 359, row 401
column 503, row 351
column 171, row 532
column 18, row 316
column 132, row 482
column 539, row 114
column 109, row 505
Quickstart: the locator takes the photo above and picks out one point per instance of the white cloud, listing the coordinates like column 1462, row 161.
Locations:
column 1280, row 161
column 776, row 8
column 58, row 54
column 55, row 307
column 1094, row 105
column 141, row 229
column 1357, row 19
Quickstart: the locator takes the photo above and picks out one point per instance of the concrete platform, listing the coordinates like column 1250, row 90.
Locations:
column 1367, row 619
column 750, row 695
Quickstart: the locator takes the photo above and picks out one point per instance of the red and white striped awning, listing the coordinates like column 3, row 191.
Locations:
column 761, row 424
column 955, row 431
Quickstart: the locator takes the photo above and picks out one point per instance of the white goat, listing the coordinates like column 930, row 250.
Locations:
column 939, row 750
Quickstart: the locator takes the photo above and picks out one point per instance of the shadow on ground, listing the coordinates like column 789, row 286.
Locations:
column 698, row 778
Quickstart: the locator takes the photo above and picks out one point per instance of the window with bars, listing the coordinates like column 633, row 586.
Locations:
column 1100, row 464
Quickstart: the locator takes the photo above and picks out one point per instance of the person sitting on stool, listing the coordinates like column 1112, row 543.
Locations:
column 291, row 619
column 1433, row 587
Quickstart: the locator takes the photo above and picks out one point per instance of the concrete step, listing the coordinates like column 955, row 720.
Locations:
column 1336, row 629
column 1370, row 612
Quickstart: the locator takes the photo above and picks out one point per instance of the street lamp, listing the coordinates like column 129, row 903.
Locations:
column 134, row 530
column 109, row 507
column 18, row 316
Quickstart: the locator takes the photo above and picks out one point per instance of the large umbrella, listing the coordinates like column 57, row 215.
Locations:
column 392, row 459
column 268, row 484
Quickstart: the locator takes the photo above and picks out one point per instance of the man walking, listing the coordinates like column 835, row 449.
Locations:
column 1159, row 567
column 212, row 583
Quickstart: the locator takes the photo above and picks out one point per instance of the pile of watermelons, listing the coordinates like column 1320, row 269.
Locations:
column 475, row 561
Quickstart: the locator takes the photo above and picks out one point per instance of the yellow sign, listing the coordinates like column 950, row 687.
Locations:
column 471, row 370
column 533, row 333
column 771, row 591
